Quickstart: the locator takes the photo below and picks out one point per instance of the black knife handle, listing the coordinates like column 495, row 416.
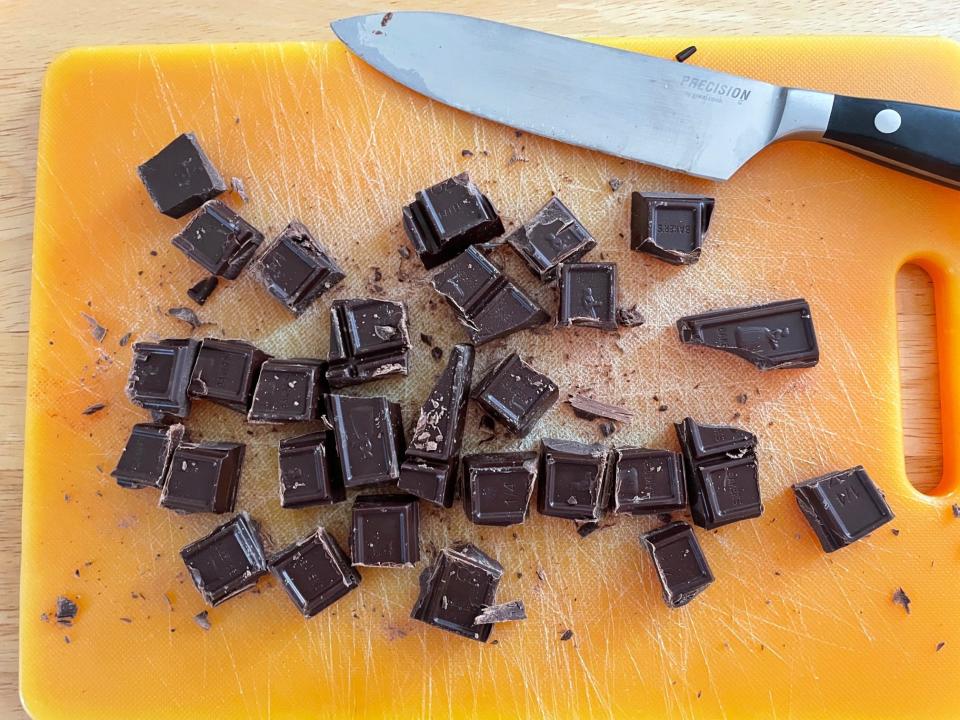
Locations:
column 920, row 139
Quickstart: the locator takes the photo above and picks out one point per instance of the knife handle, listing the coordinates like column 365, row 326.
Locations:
column 918, row 139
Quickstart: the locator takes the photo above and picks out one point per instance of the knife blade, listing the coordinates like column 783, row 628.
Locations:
column 672, row 115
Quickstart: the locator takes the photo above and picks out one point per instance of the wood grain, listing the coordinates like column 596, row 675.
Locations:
column 32, row 33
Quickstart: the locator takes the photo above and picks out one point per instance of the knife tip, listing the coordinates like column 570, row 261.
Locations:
column 350, row 29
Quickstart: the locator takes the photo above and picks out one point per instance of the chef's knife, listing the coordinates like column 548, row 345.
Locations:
column 657, row 111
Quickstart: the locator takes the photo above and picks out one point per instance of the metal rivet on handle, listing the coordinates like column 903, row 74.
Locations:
column 887, row 121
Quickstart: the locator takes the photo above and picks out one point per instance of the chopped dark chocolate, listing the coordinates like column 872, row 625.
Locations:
column 678, row 558
column 219, row 240
column 902, row 599
column 515, row 394
column 160, row 375
column 445, row 219
column 315, row 572
column 296, row 269
column 93, row 409
column 504, row 612
column 462, row 582
column 225, row 372
column 587, row 407
column 146, row 456
column 669, row 226
column 227, row 561
column 647, row 482
column 288, row 391
column 203, row 477
column 202, row 291
column 368, row 341
column 385, row 531
column 566, row 635
column 686, row 53
column 430, row 462
column 497, row 487
column 124, row 339
column 572, row 479
column 185, row 314
column 369, row 438
column 777, row 335
column 551, row 237
column 180, row 177
column 588, row 295
column 487, row 303
column 842, row 506
column 66, row 611
column 630, row 317
column 309, row 472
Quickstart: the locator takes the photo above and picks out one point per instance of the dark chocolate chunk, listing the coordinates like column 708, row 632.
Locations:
column 497, row 487
column 445, row 219
column 487, row 303
column 309, row 472
column 368, row 341
column 504, row 612
column 777, row 335
column 587, row 407
column 572, row 479
column 385, row 531
column 202, row 291
column 686, row 53
column 369, row 438
column 180, row 178
column 227, row 561
column 203, row 477
column 160, row 375
column 288, row 391
column 296, row 269
column 315, row 572
column 588, row 295
column 551, row 237
column 66, row 611
column 647, row 482
column 630, row 316
column 678, row 558
column 515, row 394
column 225, row 372
column 430, row 462
column 219, row 240
column 842, row 506
column 669, row 226
column 455, row 590
column 146, row 456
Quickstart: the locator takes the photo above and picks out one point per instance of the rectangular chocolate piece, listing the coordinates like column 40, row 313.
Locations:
column 515, row 394
column 146, row 456
column 160, row 375
column 777, row 335
column 430, row 462
column 288, row 391
column 551, row 237
column 369, row 438
column 227, row 561
column 385, row 531
column 497, row 487
column 488, row 305
column 678, row 558
column 445, row 219
column 225, row 372
column 309, row 471
column 180, row 177
column 219, row 240
column 572, row 479
column 842, row 506
column 315, row 572
column 296, row 269
column 669, row 226
column 203, row 477
column 368, row 341
column 647, row 482
column 458, row 587
column 202, row 291
column 588, row 295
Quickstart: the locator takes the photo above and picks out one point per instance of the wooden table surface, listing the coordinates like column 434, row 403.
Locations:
column 32, row 33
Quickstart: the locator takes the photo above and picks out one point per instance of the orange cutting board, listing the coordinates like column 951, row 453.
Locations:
column 786, row 631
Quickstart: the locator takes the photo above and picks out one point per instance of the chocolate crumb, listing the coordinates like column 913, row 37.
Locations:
column 466, row 153
column 685, row 54
column 662, row 408
column 614, row 183
column 940, row 645
column 239, row 188
column 487, row 423
column 125, row 339
column 541, row 575
column 895, row 531
column 426, row 339
column 742, row 398
column 956, row 510
column 607, row 428
column 66, row 639
column 202, row 619
column 44, row 617
column 588, row 528
column 436, row 353
column 98, row 331
column 126, row 620
column 404, row 252
column 202, row 291
column 900, row 598
column 66, row 610
column 567, row 634
column 93, row 409
column 153, row 253
column 630, row 317
column 186, row 315
column 386, row 19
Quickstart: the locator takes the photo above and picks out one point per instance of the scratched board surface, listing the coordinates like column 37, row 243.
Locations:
column 785, row 631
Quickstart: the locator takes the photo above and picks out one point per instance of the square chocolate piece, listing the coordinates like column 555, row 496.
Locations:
column 296, row 269
column 146, row 456
column 369, row 438
column 497, row 487
column 288, row 391
column 516, row 394
column 203, row 477
column 386, row 531
column 315, row 572
column 669, row 226
column 160, row 376
column 459, row 586
column 219, row 240
column 680, row 563
column 588, row 295
column 225, row 372
column 446, row 218
column 551, row 237
column 180, row 178
column 368, row 341
column 309, row 474
column 842, row 506
column 647, row 482
column 572, row 479
column 227, row 561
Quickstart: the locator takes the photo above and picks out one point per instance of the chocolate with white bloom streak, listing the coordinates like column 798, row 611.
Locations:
column 551, row 237
column 368, row 341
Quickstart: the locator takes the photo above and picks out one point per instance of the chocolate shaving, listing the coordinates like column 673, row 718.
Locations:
column 386, row 19
column 238, row 187
column 503, row 612
column 686, row 53
column 591, row 409
column 98, row 331
column 940, row 645
column 900, row 598
column 66, row 610
column 466, row 153
column 125, row 339
column 202, row 619
column 93, row 409
column 186, row 315
column 567, row 634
